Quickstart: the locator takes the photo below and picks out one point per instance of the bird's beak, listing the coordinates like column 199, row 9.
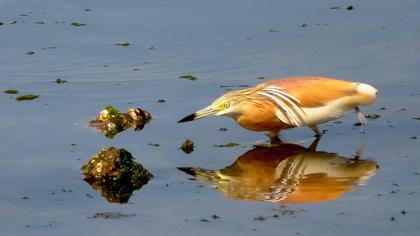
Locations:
column 208, row 111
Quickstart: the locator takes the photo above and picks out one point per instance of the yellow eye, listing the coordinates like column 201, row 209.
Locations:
column 226, row 105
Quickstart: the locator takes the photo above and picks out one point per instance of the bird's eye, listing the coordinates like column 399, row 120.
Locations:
column 226, row 105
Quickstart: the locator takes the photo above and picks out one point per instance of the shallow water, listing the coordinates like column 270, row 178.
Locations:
column 46, row 141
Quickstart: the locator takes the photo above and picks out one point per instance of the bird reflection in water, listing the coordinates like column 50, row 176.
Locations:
column 287, row 173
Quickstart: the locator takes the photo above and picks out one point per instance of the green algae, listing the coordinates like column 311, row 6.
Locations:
column 10, row 91
column 27, row 97
column 188, row 77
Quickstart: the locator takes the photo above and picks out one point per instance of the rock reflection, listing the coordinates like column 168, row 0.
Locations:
column 288, row 174
column 114, row 173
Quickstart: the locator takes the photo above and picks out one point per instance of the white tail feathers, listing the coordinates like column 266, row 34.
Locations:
column 367, row 89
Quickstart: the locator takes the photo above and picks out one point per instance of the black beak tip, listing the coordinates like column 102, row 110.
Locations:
column 187, row 118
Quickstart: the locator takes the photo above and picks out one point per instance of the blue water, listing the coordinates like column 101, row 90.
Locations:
column 222, row 43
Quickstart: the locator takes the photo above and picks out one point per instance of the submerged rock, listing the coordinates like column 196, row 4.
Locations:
column 111, row 121
column 114, row 173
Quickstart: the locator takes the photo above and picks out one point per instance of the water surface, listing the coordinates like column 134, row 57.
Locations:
column 46, row 141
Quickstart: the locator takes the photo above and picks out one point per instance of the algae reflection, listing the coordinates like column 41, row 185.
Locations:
column 114, row 173
column 287, row 174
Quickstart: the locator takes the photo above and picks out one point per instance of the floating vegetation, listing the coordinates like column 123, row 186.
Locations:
column 123, row 43
column 60, row 81
column 334, row 8
column 77, row 24
column 49, row 47
column 227, row 145
column 30, row 53
column 27, row 97
column 372, row 116
column 187, row 146
column 114, row 173
column 111, row 121
column 188, row 77
column 10, row 91
column 111, row 215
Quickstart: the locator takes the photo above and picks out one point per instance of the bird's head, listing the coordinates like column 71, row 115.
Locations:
column 226, row 105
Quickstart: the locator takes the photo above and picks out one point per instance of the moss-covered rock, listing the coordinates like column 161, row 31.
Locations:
column 114, row 173
column 111, row 121
column 187, row 146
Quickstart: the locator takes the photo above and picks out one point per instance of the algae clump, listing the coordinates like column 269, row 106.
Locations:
column 77, row 24
column 231, row 144
column 188, row 77
column 27, row 97
column 10, row 91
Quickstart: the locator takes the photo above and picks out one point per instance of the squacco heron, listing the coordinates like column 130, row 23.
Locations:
column 290, row 102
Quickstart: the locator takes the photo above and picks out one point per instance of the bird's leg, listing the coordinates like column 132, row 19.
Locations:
column 318, row 134
column 361, row 148
column 274, row 137
column 360, row 117
column 314, row 144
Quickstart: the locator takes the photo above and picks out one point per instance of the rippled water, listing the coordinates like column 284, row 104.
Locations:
column 46, row 141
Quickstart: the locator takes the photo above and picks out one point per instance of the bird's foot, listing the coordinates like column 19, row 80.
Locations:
column 274, row 138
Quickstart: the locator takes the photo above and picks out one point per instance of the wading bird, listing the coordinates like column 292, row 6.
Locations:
column 290, row 102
